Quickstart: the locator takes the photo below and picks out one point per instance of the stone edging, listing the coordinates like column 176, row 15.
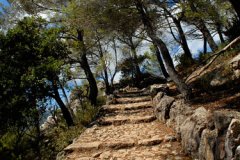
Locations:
column 204, row 135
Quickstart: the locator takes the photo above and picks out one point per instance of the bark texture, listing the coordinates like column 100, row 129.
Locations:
column 160, row 61
column 66, row 114
column 89, row 75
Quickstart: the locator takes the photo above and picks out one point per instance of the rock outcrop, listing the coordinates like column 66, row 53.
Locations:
column 205, row 135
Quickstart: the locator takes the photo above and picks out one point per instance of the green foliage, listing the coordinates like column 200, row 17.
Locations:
column 127, row 66
column 31, row 57
column 86, row 113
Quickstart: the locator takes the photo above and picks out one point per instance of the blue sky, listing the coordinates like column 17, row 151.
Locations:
column 4, row 2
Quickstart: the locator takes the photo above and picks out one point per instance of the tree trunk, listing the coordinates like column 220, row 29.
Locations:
column 203, row 28
column 138, row 72
column 160, row 61
column 183, row 39
column 64, row 93
column 91, row 80
column 108, row 89
column 116, row 64
column 236, row 6
column 219, row 31
column 89, row 75
column 204, row 45
column 66, row 98
column 135, row 61
column 66, row 114
column 182, row 87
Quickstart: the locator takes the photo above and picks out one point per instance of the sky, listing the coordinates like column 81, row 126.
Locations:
column 4, row 2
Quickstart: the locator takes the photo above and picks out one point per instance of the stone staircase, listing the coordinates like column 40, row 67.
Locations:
column 128, row 131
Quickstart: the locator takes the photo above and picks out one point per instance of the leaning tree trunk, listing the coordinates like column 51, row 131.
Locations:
column 160, row 61
column 91, row 80
column 107, row 85
column 182, row 87
column 86, row 68
column 236, row 6
column 177, row 22
column 204, row 45
column 220, row 33
column 203, row 28
column 206, row 33
column 183, row 39
column 66, row 114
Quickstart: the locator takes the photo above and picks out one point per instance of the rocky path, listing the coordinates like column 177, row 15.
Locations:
column 128, row 131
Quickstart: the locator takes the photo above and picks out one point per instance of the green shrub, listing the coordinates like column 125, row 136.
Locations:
column 86, row 114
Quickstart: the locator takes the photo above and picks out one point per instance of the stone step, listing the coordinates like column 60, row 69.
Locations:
column 132, row 95
column 130, row 106
column 120, row 120
column 155, row 147
column 143, row 140
column 98, row 146
column 138, row 112
column 133, row 100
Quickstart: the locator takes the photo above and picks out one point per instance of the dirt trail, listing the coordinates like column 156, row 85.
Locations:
column 128, row 131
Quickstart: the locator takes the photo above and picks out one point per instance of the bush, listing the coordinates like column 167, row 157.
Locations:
column 86, row 114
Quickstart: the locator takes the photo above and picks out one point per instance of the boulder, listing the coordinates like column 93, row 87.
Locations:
column 178, row 114
column 207, row 144
column 162, row 109
column 154, row 89
column 223, row 118
column 191, row 131
column 157, row 98
column 237, row 153
column 232, row 140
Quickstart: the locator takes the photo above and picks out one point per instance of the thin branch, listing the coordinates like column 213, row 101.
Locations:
column 46, row 8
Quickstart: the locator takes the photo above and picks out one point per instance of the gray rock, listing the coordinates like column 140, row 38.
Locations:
column 157, row 98
column 232, row 139
column 237, row 73
column 178, row 114
column 162, row 109
column 223, row 118
column 154, row 89
column 191, row 131
column 237, row 153
column 61, row 156
column 207, row 144
column 218, row 81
